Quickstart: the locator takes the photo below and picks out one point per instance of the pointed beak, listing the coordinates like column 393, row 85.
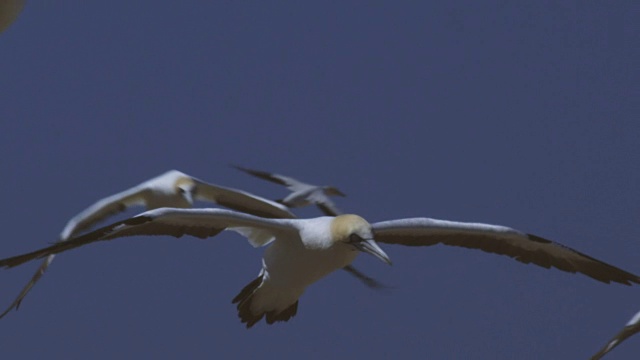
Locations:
column 369, row 246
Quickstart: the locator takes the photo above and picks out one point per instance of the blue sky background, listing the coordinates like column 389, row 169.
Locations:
column 524, row 115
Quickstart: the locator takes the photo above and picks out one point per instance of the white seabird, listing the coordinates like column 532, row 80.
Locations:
column 632, row 327
column 302, row 194
column 171, row 189
column 9, row 11
column 302, row 251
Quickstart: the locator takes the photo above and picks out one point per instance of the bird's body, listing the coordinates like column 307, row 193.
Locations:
column 311, row 251
column 177, row 190
column 172, row 189
column 290, row 264
column 302, row 194
column 301, row 251
column 304, row 250
column 631, row 328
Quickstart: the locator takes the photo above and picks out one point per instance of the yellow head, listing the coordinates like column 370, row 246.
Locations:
column 356, row 231
column 186, row 187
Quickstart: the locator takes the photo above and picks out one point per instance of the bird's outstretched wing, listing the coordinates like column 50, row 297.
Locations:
column 241, row 201
column 632, row 327
column 312, row 194
column 201, row 223
column 289, row 182
column 323, row 203
column 142, row 194
column 104, row 208
column 86, row 219
column 366, row 280
column 501, row 240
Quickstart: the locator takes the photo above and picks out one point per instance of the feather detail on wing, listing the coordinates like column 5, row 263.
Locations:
column 257, row 237
column 200, row 223
column 323, row 203
column 498, row 240
column 289, row 182
column 241, row 201
column 632, row 328
column 102, row 209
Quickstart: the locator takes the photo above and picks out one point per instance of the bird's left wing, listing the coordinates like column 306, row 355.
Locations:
column 632, row 327
column 501, row 240
column 241, row 201
column 201, row 223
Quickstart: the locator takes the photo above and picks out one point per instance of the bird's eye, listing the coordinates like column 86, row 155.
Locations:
column 354, row 238
column 181, row 190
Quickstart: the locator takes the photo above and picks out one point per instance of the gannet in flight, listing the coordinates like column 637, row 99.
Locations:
column 9, row 10
column 302, row 194
column 302, row 251
column 171, row 189
column 632, row 327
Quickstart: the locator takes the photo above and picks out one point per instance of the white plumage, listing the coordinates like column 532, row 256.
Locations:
column 171, row 189
column 632, row 328
column 302, row 251
column 302, row 194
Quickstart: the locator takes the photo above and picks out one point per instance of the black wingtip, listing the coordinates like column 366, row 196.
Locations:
column 237, row 167
column 365, row 279
column 273, row 317
column 594, row 268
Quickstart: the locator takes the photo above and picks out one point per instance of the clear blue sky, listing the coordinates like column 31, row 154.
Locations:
column 519, row 115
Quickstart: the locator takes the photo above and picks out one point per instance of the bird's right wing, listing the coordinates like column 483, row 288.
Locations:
column 241, row 201
column 632, row 327
column 201, row 223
